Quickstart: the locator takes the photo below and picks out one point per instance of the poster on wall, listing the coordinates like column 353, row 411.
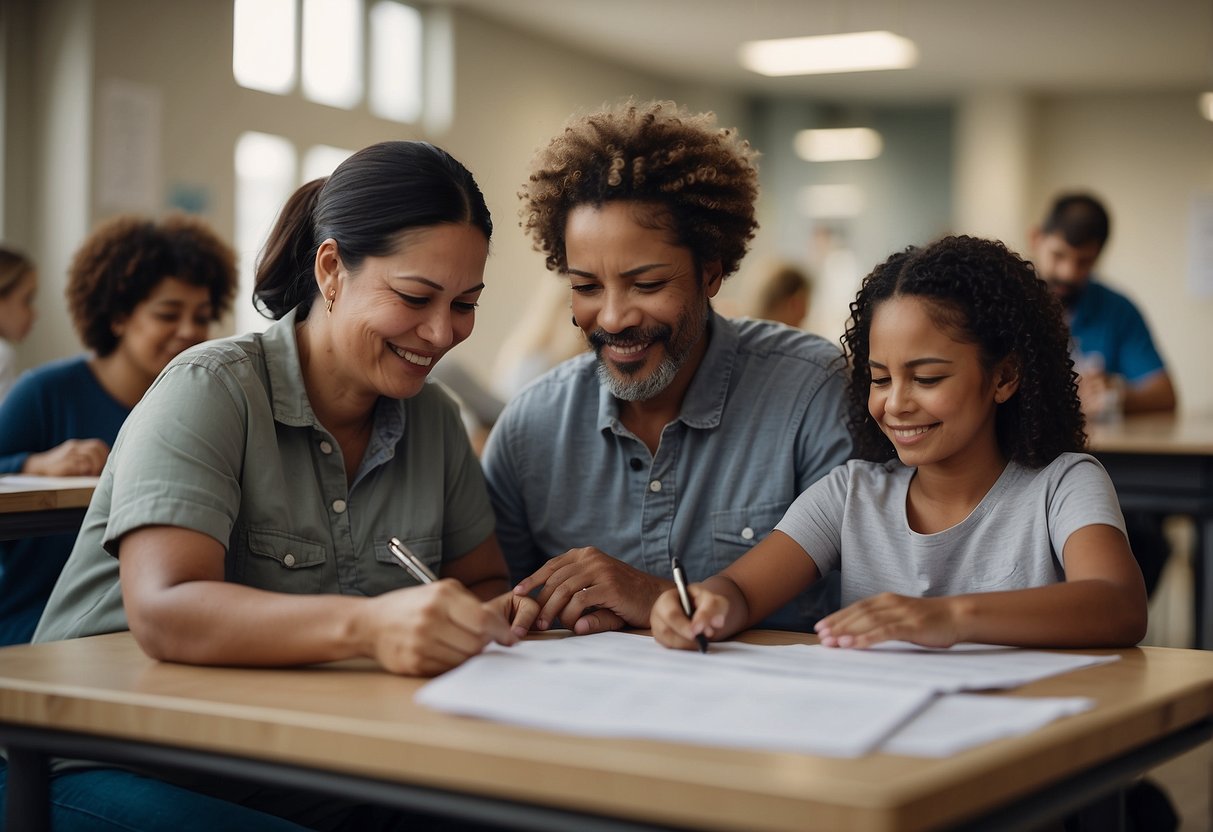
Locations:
column 128, row 167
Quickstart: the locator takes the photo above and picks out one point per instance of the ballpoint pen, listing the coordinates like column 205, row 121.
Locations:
column 688, row 607
column 410, row 562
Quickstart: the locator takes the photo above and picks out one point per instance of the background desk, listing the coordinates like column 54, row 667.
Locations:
column 351, row 729
column 34, row 506
column 1165, row 464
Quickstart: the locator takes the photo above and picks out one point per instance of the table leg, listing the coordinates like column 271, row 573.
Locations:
column 1202, row 574
column 27, row 791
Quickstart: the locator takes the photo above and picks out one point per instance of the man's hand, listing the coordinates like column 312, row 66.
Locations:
column 591, row 592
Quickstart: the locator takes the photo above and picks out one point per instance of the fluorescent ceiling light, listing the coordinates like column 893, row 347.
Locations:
column 838, row 145
column 1206, row 105
column 852, row 52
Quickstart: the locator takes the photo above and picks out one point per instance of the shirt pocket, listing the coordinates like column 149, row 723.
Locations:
column 282, row 562
column 387, row 573
column 735, row 531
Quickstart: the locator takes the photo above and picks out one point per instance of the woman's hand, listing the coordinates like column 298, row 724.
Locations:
column 670, row 624
column 426, row 630
column 73, row 458
column 931, row 622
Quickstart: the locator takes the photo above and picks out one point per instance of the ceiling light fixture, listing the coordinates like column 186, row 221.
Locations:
column 1206, row 105
column 841, row 144
column 851, row 52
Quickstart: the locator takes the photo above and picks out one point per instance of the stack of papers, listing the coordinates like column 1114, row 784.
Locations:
column 898, row 698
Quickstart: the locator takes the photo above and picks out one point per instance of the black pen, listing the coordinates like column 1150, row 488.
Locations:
column 410, row 562
column 680, row 581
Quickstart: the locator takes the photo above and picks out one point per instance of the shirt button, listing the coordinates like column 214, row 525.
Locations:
column 288, row 559
column 655, row 486
column 326, row 447
column 747, row 533
column 339, row 506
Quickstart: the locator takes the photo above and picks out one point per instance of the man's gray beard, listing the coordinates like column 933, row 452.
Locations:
column 641, row 389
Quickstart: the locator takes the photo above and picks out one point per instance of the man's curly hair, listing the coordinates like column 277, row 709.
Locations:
column 980, row 293
column 701, row 176
column 125, row 258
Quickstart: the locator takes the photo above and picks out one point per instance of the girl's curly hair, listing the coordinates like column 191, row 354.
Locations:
column 125, row 258
column 980, row 293
column 702, row 177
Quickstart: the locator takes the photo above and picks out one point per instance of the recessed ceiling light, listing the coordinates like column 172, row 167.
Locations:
column 851, row 52
column 839, row 144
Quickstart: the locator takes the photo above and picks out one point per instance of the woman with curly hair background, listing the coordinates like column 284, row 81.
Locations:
column 693, row 432
column 972, row 513
column 139, row 292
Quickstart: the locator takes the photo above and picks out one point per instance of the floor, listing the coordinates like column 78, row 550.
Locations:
column 1187, row 779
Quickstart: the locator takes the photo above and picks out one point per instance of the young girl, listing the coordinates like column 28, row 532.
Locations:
column 971, row 513
column 18, row 285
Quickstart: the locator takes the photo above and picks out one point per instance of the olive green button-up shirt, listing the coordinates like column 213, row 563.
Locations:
column 226, row 443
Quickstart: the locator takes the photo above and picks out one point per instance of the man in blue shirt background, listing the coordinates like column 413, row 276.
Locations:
column 1119, row 367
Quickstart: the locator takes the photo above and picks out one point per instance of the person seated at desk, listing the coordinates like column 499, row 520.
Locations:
column 682, row 430
column 139, row 293
column 1120, row 369
column 18, row 287
column 971, row 513
column 246, row 512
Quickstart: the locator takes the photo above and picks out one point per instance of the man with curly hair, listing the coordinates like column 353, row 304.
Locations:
column 681, row 433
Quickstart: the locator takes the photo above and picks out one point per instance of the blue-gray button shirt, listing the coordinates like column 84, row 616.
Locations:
column 763, row 418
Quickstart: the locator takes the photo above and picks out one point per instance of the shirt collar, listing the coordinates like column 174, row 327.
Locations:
column 703, row 405
column 289, row 395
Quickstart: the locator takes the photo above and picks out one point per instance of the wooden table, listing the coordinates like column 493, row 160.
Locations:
column 1164, row 463
column 353, row 730
column 34, row 506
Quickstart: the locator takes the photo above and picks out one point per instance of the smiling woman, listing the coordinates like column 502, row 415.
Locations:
column 246, row 515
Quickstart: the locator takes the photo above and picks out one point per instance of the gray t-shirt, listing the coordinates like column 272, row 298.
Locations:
column 226, row 443
column 854, row 519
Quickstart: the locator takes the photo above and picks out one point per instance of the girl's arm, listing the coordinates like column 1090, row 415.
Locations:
column 754, row 586
column 180, row 609
column 1102, row 603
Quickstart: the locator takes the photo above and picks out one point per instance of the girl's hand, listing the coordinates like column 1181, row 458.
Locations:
column 670, row 624
column 931, row 622
column 73, row 458
column 519, row 610
column 426, row 630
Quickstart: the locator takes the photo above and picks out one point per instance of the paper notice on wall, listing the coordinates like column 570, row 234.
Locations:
column 128, row 173
column 1200, row 246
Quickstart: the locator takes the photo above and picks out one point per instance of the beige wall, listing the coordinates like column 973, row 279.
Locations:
column 1146, row 153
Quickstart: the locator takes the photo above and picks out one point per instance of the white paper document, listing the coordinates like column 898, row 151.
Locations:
column 710, row 707
column 803, row 698
column 29, row 482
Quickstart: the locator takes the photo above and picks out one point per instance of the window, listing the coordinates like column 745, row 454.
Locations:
column 263, row 45
column 265, row 177
column 332, row 66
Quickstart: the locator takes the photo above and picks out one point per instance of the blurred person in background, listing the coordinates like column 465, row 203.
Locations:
column 139, row 293
column 783, row 295
column 18, row 286
column 1120, row 370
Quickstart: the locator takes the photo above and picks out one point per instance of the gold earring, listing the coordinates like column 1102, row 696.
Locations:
column 328, row 304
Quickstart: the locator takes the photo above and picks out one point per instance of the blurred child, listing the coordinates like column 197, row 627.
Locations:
column 972, row 513
column 18, row 285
